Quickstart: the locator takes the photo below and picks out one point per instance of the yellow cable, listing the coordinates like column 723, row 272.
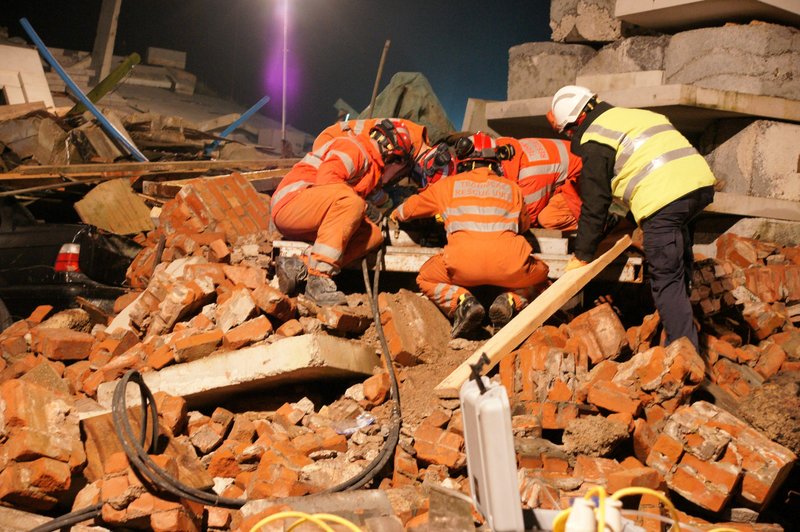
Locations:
column 624, row 492
column 601, row 506
column 283, row 515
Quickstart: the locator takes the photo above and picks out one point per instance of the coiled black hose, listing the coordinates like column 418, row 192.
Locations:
column 139, row 458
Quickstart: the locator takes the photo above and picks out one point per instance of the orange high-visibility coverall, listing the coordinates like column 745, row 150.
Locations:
column 547, row 172
column 321, row 200
column 350, row 128
column 483, row 216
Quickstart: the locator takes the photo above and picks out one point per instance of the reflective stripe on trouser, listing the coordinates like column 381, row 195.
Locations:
column 332, row 217
column 501, row 262
column 668, row 250
column 557, row 215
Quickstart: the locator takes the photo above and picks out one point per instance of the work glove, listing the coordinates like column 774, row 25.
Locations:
column 377, row 212
column 574, row 263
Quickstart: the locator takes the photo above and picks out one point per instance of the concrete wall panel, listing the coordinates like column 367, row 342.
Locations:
column 757, row 58
column 541, row 68
column 760, row 159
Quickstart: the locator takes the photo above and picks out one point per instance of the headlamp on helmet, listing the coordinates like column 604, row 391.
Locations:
column 393, row 140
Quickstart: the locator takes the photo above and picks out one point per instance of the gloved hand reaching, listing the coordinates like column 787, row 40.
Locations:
column 377, row 212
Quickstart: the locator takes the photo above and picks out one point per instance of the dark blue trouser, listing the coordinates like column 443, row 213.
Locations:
column 668, row 250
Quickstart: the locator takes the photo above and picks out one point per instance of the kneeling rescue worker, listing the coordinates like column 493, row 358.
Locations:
column 483, row 215
column 321, row 201
column 637, row 157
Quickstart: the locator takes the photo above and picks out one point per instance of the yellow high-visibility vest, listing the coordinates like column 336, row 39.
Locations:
column 655, row 164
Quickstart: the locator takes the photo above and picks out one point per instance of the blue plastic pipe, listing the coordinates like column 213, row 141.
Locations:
column 106, row 125
column 239, row 121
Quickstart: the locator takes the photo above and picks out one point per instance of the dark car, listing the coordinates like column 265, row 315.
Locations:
column 45, row 263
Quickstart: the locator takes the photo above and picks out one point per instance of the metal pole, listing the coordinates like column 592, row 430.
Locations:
column 107, row 126
column 285, row 49
column 378, row 78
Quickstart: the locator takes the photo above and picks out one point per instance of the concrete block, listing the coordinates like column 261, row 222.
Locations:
column 757, row 58
column 300, row 358
column 584, row 21
column 633, row 54
column 22, row 78
column 415, row 329
column 684, row 14
column 541, row 68
column 762, row 160
column 166, row 57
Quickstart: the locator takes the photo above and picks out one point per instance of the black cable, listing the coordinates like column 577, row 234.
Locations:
column 72, row 518
column 138, row 456
column 139, row 459
column 372, row 469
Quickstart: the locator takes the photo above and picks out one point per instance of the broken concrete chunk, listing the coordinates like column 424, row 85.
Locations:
column 306, row 357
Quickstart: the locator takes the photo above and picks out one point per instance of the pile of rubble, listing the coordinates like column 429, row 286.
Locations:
column 593, row 403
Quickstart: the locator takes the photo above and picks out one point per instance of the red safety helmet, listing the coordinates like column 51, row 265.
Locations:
column 394, row 140
column 432, row 164
column 475, row 151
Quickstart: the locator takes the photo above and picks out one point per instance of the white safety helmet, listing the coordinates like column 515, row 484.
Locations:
column 567, row 105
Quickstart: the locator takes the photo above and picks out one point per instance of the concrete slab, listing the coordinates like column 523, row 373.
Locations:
column 757, row 159
column 684, row 14
column 755, row 58
column 13, row 520
column 411, row 259
column 309, row 357
column 644, row 52
column 165, row 57
column 22, row 78
column 691, row 109
column 626, row 80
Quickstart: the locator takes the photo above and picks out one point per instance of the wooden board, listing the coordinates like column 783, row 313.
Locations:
column 264, row 181
column 531, row 317
column 138, row 169
column 10, row 112
column 114, row 206
column 740, row 204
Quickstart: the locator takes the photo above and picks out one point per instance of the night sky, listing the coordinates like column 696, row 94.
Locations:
column 235, row 46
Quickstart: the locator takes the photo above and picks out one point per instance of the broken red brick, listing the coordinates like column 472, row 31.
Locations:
column 197, row 346
column 376, row 389
column 248, row 332
column 437, row 446
column 61, row 344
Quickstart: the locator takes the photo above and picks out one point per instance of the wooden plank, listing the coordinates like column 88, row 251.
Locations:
column 264, row 181
column 10, row 112
column 219, row 122
column 531, row 318
column 740, row 204
column 137, row 169
column 114, row 206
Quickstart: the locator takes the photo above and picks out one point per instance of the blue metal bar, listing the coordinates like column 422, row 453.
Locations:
column 107, row 126
column 239, row 121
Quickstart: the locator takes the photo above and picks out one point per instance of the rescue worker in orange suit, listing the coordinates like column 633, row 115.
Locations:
column 483, row 215
column 352, row 128
column 637, row 157
column 321, row 201
column 547, row 172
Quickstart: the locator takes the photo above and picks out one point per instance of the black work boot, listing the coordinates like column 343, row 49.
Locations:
column 501, row 311
column 291, row 272
column 322, row 291
column 469, row 315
